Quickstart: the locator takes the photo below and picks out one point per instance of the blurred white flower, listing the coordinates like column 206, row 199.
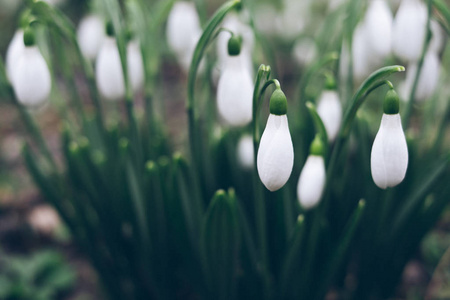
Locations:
column 311, row 182
column 183, row 31
column 108, row 71
column 330, row 111
column 135, row 65
column 31, row 77
column 264, row 12
column 90, row 35
column 362, row 59
column 409, row 30
column 437, row 38
column 15, row 50
column 304, row 51
column 276, row 153
column 378, row 23
column 245, row 153
column 389, row 158
column 291, row 21
column 428, row 78
column 235, row 93
column 239, row 28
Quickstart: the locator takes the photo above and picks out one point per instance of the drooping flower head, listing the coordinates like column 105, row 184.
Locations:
column 90, row 35
column 31, row 77
column 389, row 158
column 276, row 153
column 235, row 89
column 245, row 154
column 313, row 176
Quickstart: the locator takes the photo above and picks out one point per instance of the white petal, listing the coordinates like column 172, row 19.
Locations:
column 90, row 35
column 108, row 71
column 378, row 21
column 135, row 65
column 32, row 80
column 429, row 76
column 330, row 111
column 360, row 52
column 389, row 158
column 245, row 152
column 234, row 95
column 15, row 50
column 183, row 26
column 276, row 153
column 409, row 30
column 311, row 182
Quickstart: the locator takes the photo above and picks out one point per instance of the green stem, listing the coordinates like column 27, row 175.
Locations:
column 320, row 127
column 409, row 108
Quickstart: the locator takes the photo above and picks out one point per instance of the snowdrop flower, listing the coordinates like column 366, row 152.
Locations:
column 239, row 28
column 378, row 22
column 235, row 91
column 428, row 78
column 409, row 30
column 108, row 71
column 183, row 31
column 263, row 12
column 389, row 158
column 245, row 153
column 330, row 111
column 135, row 65
column 31, row 77
column 14, row 52
column 292, row 19
column 312, row 178
column 275, row 157
column 304, row 51
column 90, row 35
column 362, row 64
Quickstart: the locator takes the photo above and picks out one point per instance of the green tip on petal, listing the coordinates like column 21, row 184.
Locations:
column 29, row 37
column 109, row 29
column 234, row 45
column 317, row 147
column 278, row 103
column 391, row 103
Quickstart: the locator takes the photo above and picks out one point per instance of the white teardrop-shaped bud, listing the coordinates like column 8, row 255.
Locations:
column 135, row 65
column 245, row 153
column 311, row 182
column 437, row 38
column 32, row 80
column 378, row 22
column 15, row 50
column 409, row 30
column 304, row 51
column 428, row 78
column 361, row 54
column 239, row 28
column 183, row 31
column 276, row 153
column 389, row 158
column 235, row 94
column 292, row 19
column 108, row 71
column 330, row 111
column 90, row 35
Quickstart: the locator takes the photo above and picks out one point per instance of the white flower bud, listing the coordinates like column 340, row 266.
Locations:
column 32, row 81
column 276, row 153
column 311, row 182
column 135, row 65
column 361, row 55
column 378, row 22
column 183, row 31
column 304, row 51
column 15, row 50
column 428, row 78
column 235, row 94
column 90, row 35
column 409, row 30
column 389, row 158
column 245, row 153
column 108, row 71
column 330, row 111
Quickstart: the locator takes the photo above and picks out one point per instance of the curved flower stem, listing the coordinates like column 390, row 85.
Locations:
column 409, row 108
column 202, row 44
